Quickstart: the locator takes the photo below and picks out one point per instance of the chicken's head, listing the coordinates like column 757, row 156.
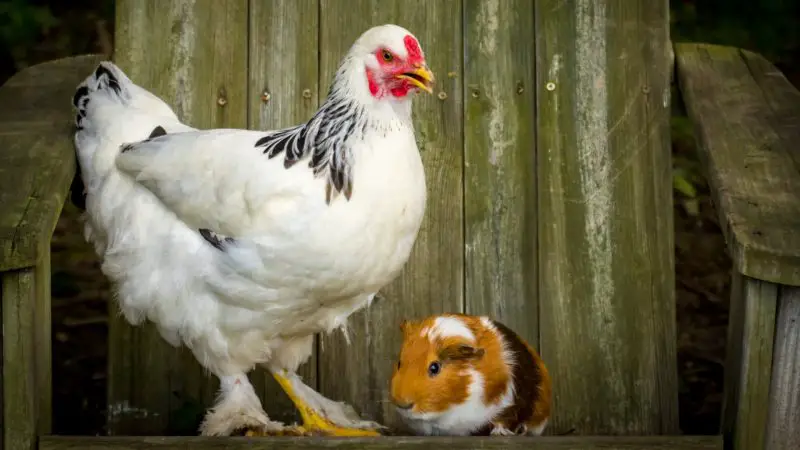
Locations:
column 393, row 61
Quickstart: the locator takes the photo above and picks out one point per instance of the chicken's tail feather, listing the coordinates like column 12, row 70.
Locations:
column 105, row 78
column 110, row 111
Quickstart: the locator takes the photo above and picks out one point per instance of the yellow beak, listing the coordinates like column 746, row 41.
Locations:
column 421, row 77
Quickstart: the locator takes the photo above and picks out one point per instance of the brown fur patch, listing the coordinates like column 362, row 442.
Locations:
column 532, row 385
column 411, row 383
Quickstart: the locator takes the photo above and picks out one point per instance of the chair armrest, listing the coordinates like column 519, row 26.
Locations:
column 745, row 115
column 37, row 161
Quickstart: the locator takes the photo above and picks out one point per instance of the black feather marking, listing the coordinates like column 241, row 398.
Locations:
column 112, row 80
column 79, row 94
column 324, row 139
column 157, row 131
column 127, row 147
column 263, row 141
column 215, row 239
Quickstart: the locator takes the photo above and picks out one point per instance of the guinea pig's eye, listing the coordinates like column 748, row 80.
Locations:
column 434, row 368
column 387, row 56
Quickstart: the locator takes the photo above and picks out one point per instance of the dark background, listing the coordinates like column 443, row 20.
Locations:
column 35, row 31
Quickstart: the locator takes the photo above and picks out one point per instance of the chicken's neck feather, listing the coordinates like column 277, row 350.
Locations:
column 348, row 114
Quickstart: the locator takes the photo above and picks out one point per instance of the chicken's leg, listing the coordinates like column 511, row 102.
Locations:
column 238, row 408
column 321, row 415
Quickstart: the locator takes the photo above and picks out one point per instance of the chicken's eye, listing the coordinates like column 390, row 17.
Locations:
column 387, row 56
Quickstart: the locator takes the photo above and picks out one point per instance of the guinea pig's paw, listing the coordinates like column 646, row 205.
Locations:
column 499, row 429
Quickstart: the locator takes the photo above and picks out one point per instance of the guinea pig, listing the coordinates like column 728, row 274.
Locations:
column 462, row 375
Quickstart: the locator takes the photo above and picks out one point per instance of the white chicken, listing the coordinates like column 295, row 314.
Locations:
column 243, row 244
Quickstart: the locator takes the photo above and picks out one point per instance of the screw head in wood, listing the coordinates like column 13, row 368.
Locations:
column 442, row 95
column 222, row 97
column 265, row 96
column 550, row 86
column 306, row 93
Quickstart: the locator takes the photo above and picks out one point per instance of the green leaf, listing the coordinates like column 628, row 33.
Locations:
column 681, row 184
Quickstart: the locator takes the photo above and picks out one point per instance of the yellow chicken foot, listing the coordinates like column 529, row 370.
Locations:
column 313, row 422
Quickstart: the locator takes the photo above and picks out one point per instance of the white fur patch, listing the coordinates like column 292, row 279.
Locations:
column 444, row 327
column 462, row 419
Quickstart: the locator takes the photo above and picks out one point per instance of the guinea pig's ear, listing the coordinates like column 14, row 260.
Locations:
column 461, row 352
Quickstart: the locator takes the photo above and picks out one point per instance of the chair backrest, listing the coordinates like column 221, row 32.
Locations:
column 547, row 153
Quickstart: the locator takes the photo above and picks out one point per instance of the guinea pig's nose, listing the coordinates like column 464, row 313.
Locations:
column 404, row 405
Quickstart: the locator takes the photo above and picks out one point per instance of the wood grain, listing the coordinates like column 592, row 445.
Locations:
column 432, row 281
column 284, row 90
column 20, row 401
column 783, row 423
column 42, row 341
column 192, row 54
column 500, row 165
column 745, row 114
column 745, row 415
column 606, row 276
column 36, row 168
column 411, row 443
column 733, row 357
column 37, row 159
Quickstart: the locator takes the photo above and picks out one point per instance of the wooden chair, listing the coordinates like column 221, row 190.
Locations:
column 746, row 116
column 547, row 151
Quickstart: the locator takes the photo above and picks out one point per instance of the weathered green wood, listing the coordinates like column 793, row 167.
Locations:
column 284, row 91
column 782, row 97
column 20, row 402
column 733, row 356
column 42, row 342
column 606, row 277
column 432, row 281
column 749, row 364
column 37, row 159
column 500, row 164
column 783, row 423
column 745, row 113
column 304, row 443
column 36, row 168
column 192, row 54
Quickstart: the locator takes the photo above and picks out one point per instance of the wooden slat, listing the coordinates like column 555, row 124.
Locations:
column 782, row 97
column 753, row 313
column 783, row 424
column 745, row 115
column 488, row 443
column 733, row 356
column 432, row 281
column 500, row 164
column 284, row 91
column 193, row 54
column 606, row 276
column 43, row 328
column 37, row 159
column 20, row 401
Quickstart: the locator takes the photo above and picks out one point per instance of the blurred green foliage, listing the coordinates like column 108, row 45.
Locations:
column 768, row 27
column 32, row 31
column 22, row 24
